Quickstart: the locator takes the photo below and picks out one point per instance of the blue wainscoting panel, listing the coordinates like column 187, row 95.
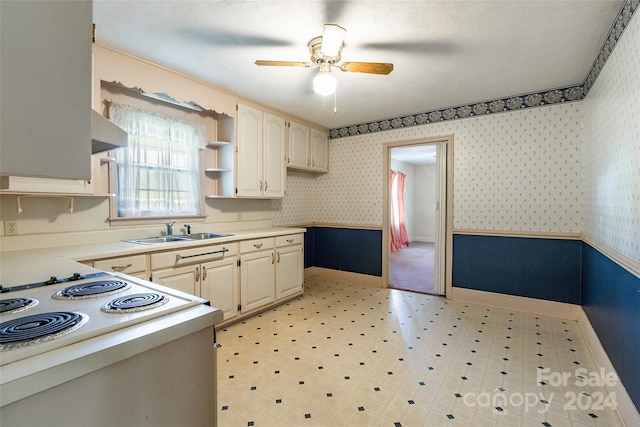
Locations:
column 611, row 300
column 546, row 269
column 344, row 249
column 308, row 247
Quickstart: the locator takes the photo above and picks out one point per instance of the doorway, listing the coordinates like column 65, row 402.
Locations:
column 416, row 226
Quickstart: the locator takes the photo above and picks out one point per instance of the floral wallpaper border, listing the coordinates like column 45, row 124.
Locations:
column 531, row 100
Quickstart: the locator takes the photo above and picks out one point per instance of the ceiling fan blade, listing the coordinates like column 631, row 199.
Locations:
column 367, row 67
column 284, row 63
column 332, row 39
column 333, row 10
column 231, row 39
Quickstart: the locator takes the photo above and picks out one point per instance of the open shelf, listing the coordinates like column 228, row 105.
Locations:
column 215, row 144
column 219, row 159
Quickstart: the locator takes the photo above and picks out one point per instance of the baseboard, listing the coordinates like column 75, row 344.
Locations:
column 358, row 278
column 423, row 239
column 626, row 408
column 528, row 305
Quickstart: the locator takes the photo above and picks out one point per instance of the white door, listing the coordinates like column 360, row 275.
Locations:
column 249, row 181
column 257, row 279
column 441, row 218
column 299, row 146
column 319, row 150
column 421, row 266
column 219, row 284
column 274, row 166
column 289, row 271
column 181, row 278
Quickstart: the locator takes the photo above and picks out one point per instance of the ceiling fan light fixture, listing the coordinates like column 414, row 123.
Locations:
column 332, row 38
column 324, row 83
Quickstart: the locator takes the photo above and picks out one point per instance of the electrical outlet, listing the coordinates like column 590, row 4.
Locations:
column 10, row 227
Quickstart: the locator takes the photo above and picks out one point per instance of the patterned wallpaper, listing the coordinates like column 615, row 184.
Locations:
column 298, row 207
column 515, row 171
column 612, row 149
column 526, row 169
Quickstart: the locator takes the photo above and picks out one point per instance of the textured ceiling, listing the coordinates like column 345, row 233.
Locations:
column 445, row 53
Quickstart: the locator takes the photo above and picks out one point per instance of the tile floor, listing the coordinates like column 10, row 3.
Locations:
column 351, row 355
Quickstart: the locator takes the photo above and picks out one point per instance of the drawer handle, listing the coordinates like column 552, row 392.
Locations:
column 120, row 267
column 221, row 251
column 257, row 245
column 289, row 240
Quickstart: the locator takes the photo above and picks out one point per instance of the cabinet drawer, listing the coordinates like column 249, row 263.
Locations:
column 128, row 264
column 292, row 239
column 256, row 245
column 192, row 255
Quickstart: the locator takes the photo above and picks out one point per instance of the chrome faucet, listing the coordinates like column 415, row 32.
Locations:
column 170, row 227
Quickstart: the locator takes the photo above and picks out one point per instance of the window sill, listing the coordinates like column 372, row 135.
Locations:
column 146, row 220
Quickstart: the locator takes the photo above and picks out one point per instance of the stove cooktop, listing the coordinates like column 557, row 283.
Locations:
column 65, row 312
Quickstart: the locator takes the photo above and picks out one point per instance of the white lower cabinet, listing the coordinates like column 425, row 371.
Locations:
column 210, row 272
column 219, row 284
column 271, row 269
column 289, row 266
column 257, row 273
column 216, row 281
column 134, row 265
column 236, row 277
column 185, row 279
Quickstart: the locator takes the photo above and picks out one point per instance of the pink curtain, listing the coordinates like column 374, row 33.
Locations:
column 399, row 237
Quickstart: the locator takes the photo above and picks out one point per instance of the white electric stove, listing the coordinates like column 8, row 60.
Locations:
column 69, row 329
column 79, row 304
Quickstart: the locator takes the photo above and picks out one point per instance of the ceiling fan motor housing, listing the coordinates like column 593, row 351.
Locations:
column 317, row 57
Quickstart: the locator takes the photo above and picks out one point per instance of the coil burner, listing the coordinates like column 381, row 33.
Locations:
column 135, row 302
column 92, row 289
column 38, row 328
column 16, row 305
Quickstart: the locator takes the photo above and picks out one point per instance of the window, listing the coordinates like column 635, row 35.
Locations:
column 158, row 174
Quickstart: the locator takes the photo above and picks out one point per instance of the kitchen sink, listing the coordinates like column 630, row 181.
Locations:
column 185, row 238
column 204, row 236
column 159, row 239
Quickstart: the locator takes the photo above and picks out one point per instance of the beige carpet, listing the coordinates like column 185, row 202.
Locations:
column 412, row 268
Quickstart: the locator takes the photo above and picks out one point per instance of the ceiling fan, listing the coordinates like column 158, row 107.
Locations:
column 326, row 52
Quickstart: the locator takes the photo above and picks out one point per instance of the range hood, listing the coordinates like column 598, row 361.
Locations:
column 106, row 135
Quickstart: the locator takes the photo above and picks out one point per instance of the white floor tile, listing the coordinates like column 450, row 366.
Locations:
column 350, row 355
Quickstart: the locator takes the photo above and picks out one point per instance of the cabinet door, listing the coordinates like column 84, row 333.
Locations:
column 319, row 151
column 182, row 278
column 133, row 264
column 219, row 284
column 257, row 276
column 46, row 61
column 289, row 271
column 298, row 146
column 249, row 172
column 275, row 169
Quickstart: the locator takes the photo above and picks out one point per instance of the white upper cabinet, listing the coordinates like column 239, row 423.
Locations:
column 299, row 138
column 308, row 149
column 46, row 89
column 274, row 152
column 260, row 171
column 319, row 151
column 249, row 156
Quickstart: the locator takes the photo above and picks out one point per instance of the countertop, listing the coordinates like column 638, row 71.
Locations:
column 123, row 248
column 25, row 377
